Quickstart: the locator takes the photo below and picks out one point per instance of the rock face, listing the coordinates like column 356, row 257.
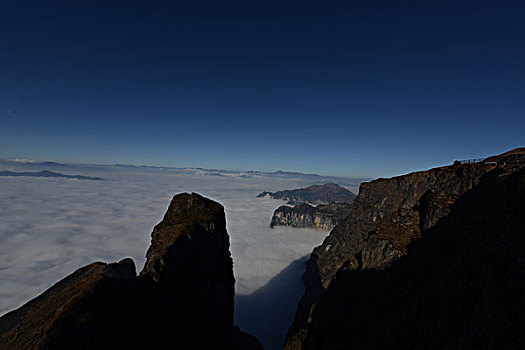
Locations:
column 432, row 259
column 315, row 194
column 183, row 298
column 321, row 217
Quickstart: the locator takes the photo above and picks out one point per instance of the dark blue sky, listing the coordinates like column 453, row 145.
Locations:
column 358, row 88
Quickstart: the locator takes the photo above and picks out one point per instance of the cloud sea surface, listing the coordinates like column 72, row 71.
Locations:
column 50, row 227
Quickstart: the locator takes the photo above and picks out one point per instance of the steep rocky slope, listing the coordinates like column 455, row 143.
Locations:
column 322, row 217
column 444, row 290
column 183, row 298
column 315, row 194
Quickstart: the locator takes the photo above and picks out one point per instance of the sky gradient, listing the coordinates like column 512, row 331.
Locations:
column 373, row 88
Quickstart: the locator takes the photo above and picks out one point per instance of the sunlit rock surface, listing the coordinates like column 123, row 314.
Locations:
column 322, row 217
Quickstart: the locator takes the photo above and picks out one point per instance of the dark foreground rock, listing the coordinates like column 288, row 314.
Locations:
column 322, row 217
column 430, row 260
column 315, row 194
column 182, row 299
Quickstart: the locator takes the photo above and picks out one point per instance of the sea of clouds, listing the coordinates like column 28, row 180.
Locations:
column 49, row 227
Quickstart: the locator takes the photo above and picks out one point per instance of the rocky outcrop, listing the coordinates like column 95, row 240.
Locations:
column 315, row 194
column 183, row 298
column 432, row 259
column 321, row 217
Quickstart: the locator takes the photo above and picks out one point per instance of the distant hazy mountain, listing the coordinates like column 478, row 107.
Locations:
column 315, row 194
column 31, row 163
column 47, row 173
column 21, row 165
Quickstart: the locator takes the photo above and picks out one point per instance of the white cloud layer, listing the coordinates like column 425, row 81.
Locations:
column 50, row 227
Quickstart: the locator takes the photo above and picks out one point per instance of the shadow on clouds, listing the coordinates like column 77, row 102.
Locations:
column 268, row 312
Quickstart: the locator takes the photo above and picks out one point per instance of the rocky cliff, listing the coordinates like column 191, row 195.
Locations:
column 432, row 259
column 183, row 298
column 322, row 217
column 315, row 194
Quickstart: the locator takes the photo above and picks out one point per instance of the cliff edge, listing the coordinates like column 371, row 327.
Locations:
column 432, row 259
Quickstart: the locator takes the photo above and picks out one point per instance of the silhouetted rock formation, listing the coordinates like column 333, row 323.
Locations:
column 183, row 298
column 460, row 284
column 322, row 217
column 315, row 194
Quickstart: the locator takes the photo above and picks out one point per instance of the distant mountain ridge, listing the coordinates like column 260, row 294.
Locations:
column 20, row 165
column 314, row 194
column 47, row 173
